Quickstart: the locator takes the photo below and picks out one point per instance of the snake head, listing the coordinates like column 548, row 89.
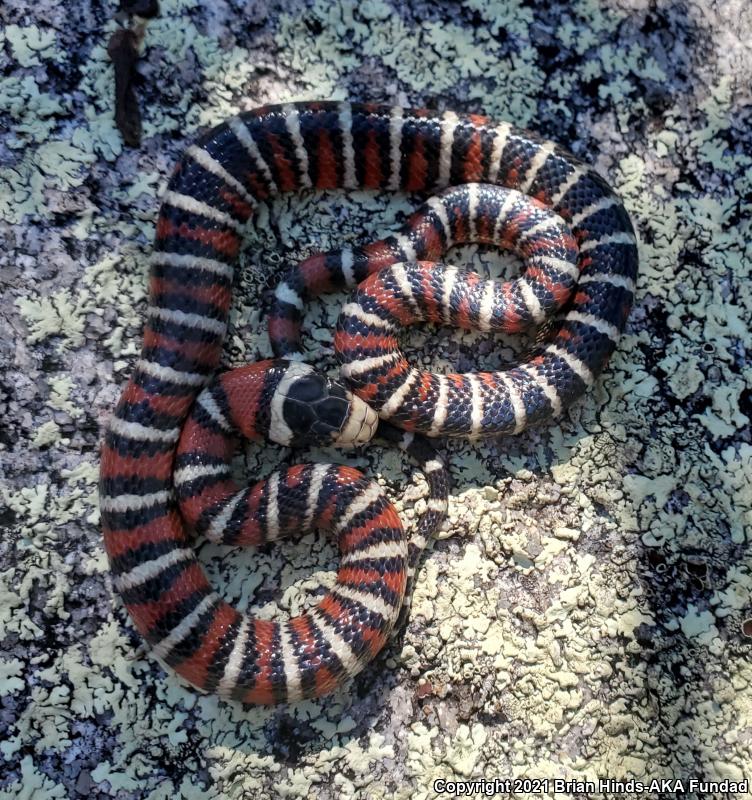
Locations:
column 309, row 408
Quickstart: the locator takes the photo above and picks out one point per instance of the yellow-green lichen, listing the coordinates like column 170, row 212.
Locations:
column 580, row 615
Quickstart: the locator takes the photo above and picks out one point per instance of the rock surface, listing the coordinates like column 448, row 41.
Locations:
column 583, row 615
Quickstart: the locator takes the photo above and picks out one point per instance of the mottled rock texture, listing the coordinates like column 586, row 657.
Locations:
column 582, row 615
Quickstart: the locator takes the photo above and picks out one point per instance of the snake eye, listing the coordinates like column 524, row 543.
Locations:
column 332, row 412
column 338, row 390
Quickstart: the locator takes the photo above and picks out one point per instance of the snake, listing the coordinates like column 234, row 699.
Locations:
column 165, row 471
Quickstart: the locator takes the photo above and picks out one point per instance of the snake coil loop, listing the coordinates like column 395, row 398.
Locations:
column 498, row 184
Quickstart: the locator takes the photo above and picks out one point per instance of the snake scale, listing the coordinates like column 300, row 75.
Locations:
column 164, row 469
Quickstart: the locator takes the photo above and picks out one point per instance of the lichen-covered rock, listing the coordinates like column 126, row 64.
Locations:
column 582, row 614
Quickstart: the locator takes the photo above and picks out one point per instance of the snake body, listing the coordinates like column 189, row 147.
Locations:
column 588, row 272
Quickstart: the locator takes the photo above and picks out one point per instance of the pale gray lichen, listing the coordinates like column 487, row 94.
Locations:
column 580, row 616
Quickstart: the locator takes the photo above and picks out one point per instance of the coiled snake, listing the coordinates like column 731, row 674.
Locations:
column 498, row 184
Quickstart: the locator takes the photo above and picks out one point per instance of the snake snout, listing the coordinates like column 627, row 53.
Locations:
column 360, row 425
